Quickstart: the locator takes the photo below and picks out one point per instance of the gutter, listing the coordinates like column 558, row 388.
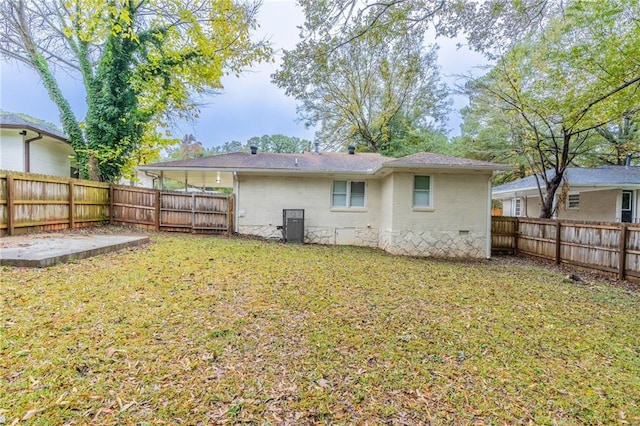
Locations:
column 368, row 172
column 27, row 152
column 36, row 130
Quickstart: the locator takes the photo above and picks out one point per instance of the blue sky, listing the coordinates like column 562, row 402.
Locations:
column 248, row 106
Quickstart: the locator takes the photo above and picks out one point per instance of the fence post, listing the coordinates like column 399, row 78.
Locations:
column 516, row 232
column 10, row 206
column 111, row 210
column 157, row 212
column 622, row 251
column 72, row 206
column 558, row 242
column 230, row 213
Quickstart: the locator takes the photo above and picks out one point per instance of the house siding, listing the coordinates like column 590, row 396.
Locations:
column 11, row 150
column 600, row 206
column 47, row 156
column 50, row 158
column 455, row 227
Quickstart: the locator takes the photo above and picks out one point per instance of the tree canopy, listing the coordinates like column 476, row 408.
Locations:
column 190, row 147
column 368, row 91
column 142, row 62
column 564, row 95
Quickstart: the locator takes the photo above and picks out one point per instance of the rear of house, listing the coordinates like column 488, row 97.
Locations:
column 420, row 205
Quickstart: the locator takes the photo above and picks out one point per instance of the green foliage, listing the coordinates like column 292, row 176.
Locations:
column 552, row 101
column 279, row 143
column 370, row 91
column 215, row 330
column 141, row 62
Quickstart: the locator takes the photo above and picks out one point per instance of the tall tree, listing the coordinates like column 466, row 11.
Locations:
column 141, row 62
column 366, row 90
column 557, row 89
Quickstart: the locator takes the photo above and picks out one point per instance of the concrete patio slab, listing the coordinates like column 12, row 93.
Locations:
column 46, row 250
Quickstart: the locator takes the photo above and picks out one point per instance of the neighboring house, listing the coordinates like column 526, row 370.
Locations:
column 27, row 146
column 602, row 194
column 421, row 205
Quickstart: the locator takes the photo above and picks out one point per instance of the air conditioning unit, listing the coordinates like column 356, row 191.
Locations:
column 293, row 225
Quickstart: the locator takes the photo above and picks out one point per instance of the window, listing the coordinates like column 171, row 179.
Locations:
column 422, row 191
column 348, row 194
column 573, row 202
column 517, row 207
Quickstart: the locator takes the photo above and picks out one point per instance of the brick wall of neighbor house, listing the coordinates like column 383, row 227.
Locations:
column 261, row 200
column 50, row 157
column 599, row 206
column 11, row 150
column 455, row 226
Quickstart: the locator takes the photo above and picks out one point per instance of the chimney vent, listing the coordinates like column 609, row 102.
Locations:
column 317, row 147
column 352, row 149
column 627, row 161
column 254, row 149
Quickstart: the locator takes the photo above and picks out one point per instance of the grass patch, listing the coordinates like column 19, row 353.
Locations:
column 193, row 330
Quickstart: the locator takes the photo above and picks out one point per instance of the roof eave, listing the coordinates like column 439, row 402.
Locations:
column 482, row 167
column 35, row 129
column 254, row 170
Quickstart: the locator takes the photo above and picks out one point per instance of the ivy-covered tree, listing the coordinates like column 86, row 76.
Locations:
column 142, row 62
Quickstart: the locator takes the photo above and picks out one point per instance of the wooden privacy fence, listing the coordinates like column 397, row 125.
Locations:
column 30, row 202
column 33, row 203
column 608, row 247
column 172, row 211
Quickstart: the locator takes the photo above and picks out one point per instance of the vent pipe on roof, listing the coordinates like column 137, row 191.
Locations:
column 352, row 149
column 316, row 147
column 254, row 149
column 627, row 161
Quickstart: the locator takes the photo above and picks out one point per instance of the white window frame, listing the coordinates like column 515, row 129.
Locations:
column 573, row 201
column 348, row 194
column 422, row 207
column 516, row 208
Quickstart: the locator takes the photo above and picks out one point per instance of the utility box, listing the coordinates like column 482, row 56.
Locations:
column 293, row 225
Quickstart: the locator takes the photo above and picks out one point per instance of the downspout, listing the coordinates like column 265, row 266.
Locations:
column 236, row 191
column 27, row 152
column 489, row 200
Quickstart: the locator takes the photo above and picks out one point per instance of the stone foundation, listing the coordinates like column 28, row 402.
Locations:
column 269, row 232
column 434, row 244
column 408, row 243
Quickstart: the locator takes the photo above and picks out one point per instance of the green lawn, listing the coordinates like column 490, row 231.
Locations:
column 207, row 330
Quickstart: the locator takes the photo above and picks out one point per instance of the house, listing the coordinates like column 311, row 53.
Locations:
column 32, row 147
column 420, row 205
column 602, row 194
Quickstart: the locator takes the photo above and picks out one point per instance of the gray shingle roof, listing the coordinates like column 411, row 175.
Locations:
column 432, row 159
column 13, row 121
column 323, row 162
column 326, row 162
column 579, row 176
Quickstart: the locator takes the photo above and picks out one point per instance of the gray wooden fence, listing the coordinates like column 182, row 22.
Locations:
column 34, row 203
column 37, row 203
column 607, row 247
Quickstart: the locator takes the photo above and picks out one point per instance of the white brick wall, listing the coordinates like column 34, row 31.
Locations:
column 456, row 226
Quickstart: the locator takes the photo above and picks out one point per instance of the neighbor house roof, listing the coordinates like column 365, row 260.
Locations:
column 605, row 176
column 12, row 121
column 320, row 163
